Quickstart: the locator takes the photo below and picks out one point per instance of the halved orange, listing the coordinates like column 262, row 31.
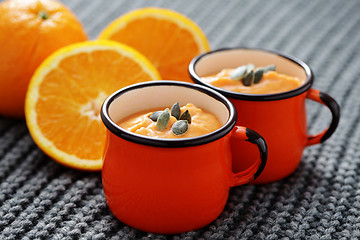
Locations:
column 167, row 38
column 66, row 93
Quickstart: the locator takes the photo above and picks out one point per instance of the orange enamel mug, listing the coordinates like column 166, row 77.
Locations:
column 280, row 118
column 172, row 185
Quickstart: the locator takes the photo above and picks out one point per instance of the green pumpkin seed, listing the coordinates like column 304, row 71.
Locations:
column 155, row 115
column 238, row 73
column 175, row 110
column 250, row 67
column 180, row 127
column 248, row 80
column 258, row 74
column 186, row 116
column 163, row 120
column 269, row 68
column 249, row 75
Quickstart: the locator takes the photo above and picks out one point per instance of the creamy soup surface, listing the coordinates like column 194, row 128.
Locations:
column 271, row 82
column 202, row 122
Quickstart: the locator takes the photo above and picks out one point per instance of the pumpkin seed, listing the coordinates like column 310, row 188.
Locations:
column 269, row 68
column 258, row 74
column 163, row 120
column 186, row 116
column 248, row 80
column 155, row 115
column 238, row 73
column 180, row 127
column 249, row 75
column 250, row 67
column 175, row 110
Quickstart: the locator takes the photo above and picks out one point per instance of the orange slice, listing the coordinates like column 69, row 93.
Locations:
column 66, row 93
column 167, row 38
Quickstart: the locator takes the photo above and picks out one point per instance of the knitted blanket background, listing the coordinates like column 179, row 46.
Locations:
column 40, row 199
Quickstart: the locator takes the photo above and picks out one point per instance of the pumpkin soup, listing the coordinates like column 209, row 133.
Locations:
column 247, row 79
column 185, row 122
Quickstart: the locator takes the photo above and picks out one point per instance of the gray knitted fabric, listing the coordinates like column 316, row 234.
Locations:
column 40, row 199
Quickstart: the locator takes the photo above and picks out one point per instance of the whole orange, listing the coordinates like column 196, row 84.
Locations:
column 30, row 30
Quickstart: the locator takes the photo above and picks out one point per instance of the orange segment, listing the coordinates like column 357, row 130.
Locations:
column 167, row 38
column 66, row 93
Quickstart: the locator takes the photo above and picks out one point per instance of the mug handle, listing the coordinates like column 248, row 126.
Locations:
column 324, row 99
column 254, row 171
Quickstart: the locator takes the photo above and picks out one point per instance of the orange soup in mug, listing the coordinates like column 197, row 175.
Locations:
column 171, row 185
column 187, row 121
column 279, row 116
column 242, row 80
